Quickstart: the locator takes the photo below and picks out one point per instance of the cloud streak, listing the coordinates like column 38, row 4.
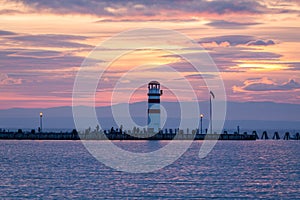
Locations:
column 5, row 80
column 261, row 43
column 236, row 40
column 145, row 8
column 48, row 40
column 6, row 33
column 265, row 84
column 222, row 24
column 20, row 60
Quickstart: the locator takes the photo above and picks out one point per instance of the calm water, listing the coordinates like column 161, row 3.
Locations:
column 234, row 169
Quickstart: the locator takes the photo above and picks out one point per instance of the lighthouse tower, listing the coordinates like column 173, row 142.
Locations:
column 154, row 94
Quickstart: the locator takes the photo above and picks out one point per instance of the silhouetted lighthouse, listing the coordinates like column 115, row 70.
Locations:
column 154, row 94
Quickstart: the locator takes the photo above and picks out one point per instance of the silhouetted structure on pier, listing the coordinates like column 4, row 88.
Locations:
column 265, row 135
column 297, row 136
column 255, row 133
column 276, row 136
column 286, row 136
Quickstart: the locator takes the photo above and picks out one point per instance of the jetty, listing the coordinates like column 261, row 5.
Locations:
column 135, row 134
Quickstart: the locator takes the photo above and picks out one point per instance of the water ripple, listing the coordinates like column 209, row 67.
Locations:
column 233, row 170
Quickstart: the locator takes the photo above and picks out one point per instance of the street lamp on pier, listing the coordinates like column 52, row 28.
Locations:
column 41, row 121
column 201, row 117
column 210, row 110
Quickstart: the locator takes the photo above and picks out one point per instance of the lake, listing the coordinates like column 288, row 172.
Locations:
column 233, row 169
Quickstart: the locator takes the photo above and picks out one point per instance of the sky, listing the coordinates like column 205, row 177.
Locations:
column 254, row 44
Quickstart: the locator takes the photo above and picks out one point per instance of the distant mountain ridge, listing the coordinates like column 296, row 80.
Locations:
column 246, row 114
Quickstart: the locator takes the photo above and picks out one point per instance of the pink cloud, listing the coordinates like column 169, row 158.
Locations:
column 5, row 80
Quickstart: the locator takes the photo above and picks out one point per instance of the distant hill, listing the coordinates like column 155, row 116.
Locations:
column 248, row 115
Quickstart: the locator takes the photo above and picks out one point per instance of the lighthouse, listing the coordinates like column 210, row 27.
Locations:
column 154, row 93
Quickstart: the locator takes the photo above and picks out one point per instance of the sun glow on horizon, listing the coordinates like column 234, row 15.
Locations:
column 262, row 66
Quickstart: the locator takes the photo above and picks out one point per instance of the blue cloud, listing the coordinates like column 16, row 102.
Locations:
column 261, row 43
column 265, row 84
column 6, row 33
column 51, row 40
column 19, row 60
column 145, row 8
column 233, row 40
column 222, row 24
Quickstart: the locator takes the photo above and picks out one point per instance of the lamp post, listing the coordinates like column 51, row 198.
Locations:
column 41, row 121
column 201, row 117
column 210, row 110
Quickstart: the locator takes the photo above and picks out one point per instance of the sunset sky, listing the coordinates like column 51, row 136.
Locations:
column 254, row 43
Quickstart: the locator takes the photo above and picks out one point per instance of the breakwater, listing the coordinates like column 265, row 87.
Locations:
column 123, row 135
